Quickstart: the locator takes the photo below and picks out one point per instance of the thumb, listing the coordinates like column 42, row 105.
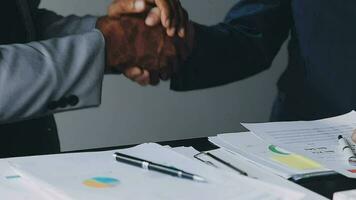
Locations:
column 119, row 7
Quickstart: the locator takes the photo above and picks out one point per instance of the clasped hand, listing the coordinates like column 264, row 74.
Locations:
column 146, row 40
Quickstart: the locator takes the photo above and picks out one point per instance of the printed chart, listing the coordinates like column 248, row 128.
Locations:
column 292, row 160
column 101, row 182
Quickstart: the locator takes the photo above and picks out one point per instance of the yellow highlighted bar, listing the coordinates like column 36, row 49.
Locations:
column 297, row 162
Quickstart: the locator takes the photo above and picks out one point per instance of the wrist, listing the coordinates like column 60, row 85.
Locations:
column 100, row 26
column 103, row 25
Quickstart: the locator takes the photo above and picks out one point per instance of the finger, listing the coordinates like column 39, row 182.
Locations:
column 167, row 67
column 119, row 7
column 354, row 136
column 183, row 27
column 147, row 80
column 166, row 11
column 144, row 79
column 133, row 73
column 153, row 17
column 164, row 76
column 154, row 77
column 165, row 73
column 176, row 17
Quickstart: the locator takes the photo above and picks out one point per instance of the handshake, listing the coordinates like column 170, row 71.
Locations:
column 146, row 40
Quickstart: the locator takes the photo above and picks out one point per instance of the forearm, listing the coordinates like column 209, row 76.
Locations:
column 219, row 58
column 245, row 44
column 40, row 78
column 50, row 25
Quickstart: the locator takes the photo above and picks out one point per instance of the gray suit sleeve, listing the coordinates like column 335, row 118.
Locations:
column 51, row 76
column 49, row 24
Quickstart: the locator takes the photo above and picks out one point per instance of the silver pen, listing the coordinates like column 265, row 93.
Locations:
column 346, row 150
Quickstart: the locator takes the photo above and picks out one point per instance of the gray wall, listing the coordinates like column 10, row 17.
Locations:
column 130, row 114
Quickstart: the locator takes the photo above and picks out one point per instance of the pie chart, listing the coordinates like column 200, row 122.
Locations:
column 278, row 150
column 101, row 182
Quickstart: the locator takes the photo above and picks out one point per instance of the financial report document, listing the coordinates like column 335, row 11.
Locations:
column 317, row 140
column 271, row 157
column 97, row 176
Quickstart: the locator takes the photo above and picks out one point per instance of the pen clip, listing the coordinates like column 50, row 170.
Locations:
column 197, row 156
column 220, row 161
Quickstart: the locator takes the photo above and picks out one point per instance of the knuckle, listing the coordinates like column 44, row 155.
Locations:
column 132, row 73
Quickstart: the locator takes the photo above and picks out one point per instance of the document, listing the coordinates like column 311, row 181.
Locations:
column 189, row 152
column 271, row 157
column 14, row 186
column 316, row 140
column 93, row 176
column 345, row 195
column 242, row 163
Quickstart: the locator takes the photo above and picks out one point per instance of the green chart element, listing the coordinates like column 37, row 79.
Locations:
column 278, row 150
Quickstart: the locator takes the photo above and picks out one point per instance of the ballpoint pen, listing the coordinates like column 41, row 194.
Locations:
column 346, row 150
column 157, row 167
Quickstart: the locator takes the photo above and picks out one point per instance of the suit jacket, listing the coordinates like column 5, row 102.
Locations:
column 59, row 67
column 320, row 78
column 48, row 64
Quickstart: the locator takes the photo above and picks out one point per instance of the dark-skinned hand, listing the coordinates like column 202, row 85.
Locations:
column 170, row 14
column 129, row 42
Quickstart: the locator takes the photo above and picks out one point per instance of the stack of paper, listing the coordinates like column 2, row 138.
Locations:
column 94, row 176
column 345, row 195
column 317, row 140
column 270, row 157
column 13, row 186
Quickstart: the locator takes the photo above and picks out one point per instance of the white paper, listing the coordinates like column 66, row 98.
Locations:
column 189, row 152
column 258, row 172
column 314, row 139
column 14, row 186
column 260, row 153
column 67, row 174
column 345, row 195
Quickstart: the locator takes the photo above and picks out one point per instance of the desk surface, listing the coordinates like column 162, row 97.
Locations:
column 325, row 186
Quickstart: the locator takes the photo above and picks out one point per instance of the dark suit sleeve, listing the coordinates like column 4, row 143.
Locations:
column 243, row 45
